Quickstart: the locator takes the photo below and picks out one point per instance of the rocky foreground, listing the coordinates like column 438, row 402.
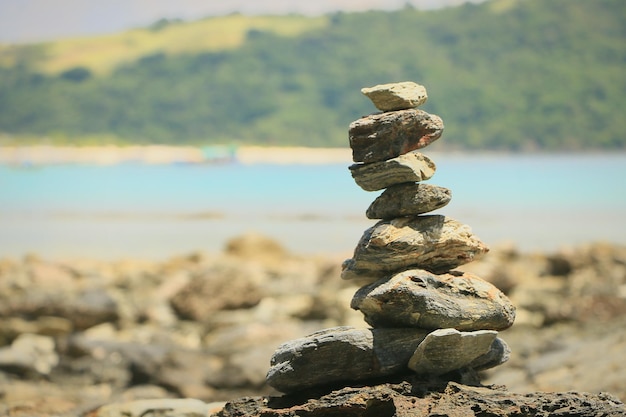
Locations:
column 83, row 337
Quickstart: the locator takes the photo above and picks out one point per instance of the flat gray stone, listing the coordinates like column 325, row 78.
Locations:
column 396, row 96
column 409, row 199
column 418, row 298
column 410, row 167
column 383, row 136
column 435, row 243
column 446, row 350
column 342, row 354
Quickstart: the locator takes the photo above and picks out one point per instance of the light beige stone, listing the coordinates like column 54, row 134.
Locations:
column 435, row 243
column 396, row 96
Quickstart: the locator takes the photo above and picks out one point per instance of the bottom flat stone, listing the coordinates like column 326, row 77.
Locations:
column 342, row 354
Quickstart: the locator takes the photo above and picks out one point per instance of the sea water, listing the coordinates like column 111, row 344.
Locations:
column 537, row 202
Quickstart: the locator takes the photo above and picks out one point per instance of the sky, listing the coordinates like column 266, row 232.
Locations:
column 23, row 21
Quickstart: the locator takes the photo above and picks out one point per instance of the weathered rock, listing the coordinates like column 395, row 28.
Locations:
column 227, row 285
column 396, row 96
column 82, row 309
column 433, row 242
column 342, row 354
column 412, row 398
column 184, row 407
column 411, row 167
column 30, row 352
column 418, row 298
column 446, row 350
column 408, row 199
column 382, row 136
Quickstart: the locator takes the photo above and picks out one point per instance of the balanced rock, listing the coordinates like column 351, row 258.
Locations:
column 342, row 354
column 409, row 167
column 446, row 350
column 396, row 96
column 418, row 298
column 382, row 136
column 408, row 199
column 435, row 243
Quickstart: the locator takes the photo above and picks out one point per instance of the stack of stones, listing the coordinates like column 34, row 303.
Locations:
column 425, row 317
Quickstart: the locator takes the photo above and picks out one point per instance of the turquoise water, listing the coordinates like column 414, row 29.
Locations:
column 536, row 201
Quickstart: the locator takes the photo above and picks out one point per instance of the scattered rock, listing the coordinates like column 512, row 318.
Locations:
column 433, row 242
column 417, row 298
column 227, row 285
column 382, row 136
column 408, row 199
column 156, row 408
column 410, row 167
column 30, row 352
column 396, row 96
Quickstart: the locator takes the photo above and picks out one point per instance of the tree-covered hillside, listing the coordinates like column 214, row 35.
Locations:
column 505, row 74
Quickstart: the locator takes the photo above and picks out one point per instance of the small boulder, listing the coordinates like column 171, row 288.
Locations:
column 418, row 298
column 435, row 243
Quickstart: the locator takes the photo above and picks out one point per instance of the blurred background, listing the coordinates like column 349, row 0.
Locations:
column 171, row 144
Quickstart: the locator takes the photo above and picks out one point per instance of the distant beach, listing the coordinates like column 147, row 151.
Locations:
column 37, row 155
column 158, row 201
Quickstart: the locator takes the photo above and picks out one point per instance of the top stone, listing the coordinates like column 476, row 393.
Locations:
column 396, row 96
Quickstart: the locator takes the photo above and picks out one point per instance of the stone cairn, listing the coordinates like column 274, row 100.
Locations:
column 425, row 317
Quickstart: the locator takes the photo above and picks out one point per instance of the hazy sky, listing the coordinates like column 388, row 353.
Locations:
column 37, row 20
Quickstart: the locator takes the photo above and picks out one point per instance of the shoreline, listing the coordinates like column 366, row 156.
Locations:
column 107, row 155
column 42, row 155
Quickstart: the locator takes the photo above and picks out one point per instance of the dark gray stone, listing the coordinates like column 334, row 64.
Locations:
column 382, row 136
column 410, row 167
column 418, row 298
column 408, row 199
column 342, row 354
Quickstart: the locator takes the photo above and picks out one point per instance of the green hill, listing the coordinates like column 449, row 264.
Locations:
column 505, row 74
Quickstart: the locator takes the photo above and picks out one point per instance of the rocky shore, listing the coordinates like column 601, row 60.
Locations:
column 192, row 336
column 77, row 335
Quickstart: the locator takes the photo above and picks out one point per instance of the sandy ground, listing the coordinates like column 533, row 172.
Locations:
column 162, row 154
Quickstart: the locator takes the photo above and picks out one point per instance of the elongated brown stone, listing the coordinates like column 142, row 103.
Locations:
column 432, row 242
column 409, row 199
column 342, row 354
column 382, row 136
column 418, row 298
column 410, row 167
